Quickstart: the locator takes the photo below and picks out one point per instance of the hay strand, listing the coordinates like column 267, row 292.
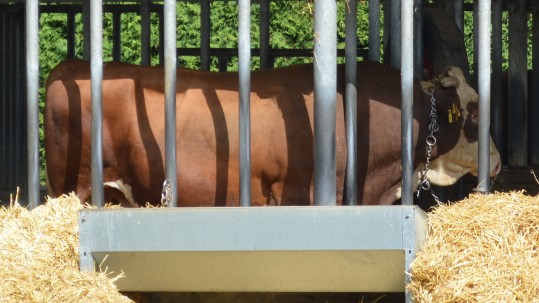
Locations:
column 482, row 249
column 39, row 257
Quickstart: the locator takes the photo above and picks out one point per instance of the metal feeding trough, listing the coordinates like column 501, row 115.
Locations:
column 254, row 249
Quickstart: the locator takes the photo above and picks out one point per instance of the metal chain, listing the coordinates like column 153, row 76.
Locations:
column 433, row 127
column 166, row 193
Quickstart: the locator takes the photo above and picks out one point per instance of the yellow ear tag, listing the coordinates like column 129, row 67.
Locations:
column 450, row 116
column 456, row 111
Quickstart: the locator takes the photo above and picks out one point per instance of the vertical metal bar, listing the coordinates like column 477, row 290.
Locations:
column 374, row 30
column 518, row 82
column 387, row 31
column 484, row 94
column 86, row 40
column 96, row 67
column 116, row 36
column 325, row 87
column 3, row 95
column 418, row 38
column 396, row 33
column 170, row 99
column 497, row 122
column 32, row 97
column 459, row 14
column 265, row 61
column 145, row 57
column 244, row 57
column 350, row 190
column 71, row 43
column 534, row 98
column 475, row 41
column 407, row 84
column 20, row 145
column 161, row 38
column 205, row 27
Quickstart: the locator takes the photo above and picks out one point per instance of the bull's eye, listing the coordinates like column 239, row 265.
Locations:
column 471, row 124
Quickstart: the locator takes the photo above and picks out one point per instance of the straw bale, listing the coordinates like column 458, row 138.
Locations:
column 482, row 249
column 39, row 255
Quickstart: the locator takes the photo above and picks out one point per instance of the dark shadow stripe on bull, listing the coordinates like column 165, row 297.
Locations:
column 222, row 146
column 156, row 171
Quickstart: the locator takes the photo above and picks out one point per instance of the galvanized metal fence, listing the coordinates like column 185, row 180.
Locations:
column 518, row 149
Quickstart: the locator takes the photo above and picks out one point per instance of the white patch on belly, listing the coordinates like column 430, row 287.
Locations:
column 125, row 189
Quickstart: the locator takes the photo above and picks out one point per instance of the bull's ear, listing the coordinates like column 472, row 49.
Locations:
column 453, row 78
column 449, row 81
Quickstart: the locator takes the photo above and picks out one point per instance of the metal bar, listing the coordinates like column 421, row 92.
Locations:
column 116, row 36
column 418, row 38
column 161, row 38
column 459, row 14
column 350, row 190
column 265, row 60
column 407, row 84
column 71, row 43
column 205, row 27
column 3, row 94
column 517, row 86
column 20, row 145
column 483, row 90
column 32, row 97
column 244, row 66
column 170, row 99
column 497, row 121
column 86, row 40
column 374, row 30
column 325, row 87
column 475, row 42
column 534, row 98
column 396, row 33
column 145, row 33
column 96, row 66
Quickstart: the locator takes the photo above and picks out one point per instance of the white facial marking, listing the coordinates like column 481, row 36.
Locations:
column 125, row 189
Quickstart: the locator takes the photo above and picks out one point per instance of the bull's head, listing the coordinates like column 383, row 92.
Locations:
column 458, row 116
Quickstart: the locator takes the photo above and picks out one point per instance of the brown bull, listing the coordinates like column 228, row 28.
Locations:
column 281, row 132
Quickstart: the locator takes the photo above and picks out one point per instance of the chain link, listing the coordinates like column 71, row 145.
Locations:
column 433, row 127
column 166, row 193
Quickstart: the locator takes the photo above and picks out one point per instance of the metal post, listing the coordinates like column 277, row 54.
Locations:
column 205, row 27
column 32, row 82
column 350, row 190
column 407, row 84
column 459, row 14
column 71, row 43
column 517, row 86
column 86, row 29
column 244, row 57
column 325, row 87
column 497, row 77
column 170, row 99
column 145, row 58
column 534, row 98
column 484, row 95
column 116, row 37
column 96, row 67
column 396, row 33
column 374, row 30
column 418, row 38
column 265, row 60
